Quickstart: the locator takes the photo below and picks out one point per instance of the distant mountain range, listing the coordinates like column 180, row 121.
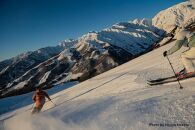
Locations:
column 92, row 54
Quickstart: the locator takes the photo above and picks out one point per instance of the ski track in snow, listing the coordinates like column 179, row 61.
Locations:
column 118, row 100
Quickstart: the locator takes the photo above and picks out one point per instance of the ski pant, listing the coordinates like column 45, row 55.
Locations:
column 36, row 110
column 188, row 60
column 39, row 105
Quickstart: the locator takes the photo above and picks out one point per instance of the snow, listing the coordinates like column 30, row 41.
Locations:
column 133, row 36
column 179, row 15
column 16, row 68
column 68, row 43
column 118, row 99
column 65, row 55
column 45, row 77
column 69, row 77
column 20, row 85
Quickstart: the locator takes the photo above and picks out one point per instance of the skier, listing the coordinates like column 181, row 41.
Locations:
column 187, row 39
column 39, row 99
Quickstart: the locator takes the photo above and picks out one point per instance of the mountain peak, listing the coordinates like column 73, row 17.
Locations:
column 176, row 15
column 143, row 21
column 67, row 43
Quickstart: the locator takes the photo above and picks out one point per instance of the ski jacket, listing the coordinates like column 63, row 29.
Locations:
column 184, row 38
column 40, row 96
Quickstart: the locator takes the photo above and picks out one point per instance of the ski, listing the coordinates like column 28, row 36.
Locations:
column 160, row 79
column 169, row 80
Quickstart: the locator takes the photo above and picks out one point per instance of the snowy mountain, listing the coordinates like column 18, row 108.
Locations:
column 174, row 19
column 180, row 15
column 15, row 67
column 68, row 43
column 90, row 55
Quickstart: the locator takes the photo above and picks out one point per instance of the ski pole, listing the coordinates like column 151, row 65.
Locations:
column 180, row 86
column 32, row 106
column 53, row 103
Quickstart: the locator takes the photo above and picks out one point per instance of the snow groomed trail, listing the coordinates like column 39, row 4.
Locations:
column 119, row 99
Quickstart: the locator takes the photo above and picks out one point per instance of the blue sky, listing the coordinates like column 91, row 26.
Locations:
column 27, row 25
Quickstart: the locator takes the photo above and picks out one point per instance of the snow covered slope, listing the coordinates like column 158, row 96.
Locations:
column 118, row 99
